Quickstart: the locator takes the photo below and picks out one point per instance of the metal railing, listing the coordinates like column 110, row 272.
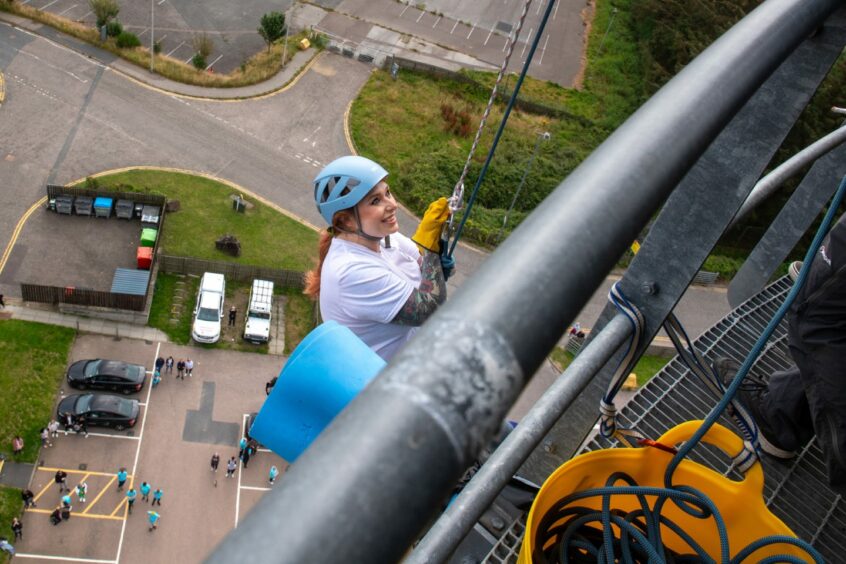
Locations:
column 371, row 482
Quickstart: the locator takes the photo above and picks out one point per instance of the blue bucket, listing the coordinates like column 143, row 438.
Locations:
column 323, row 374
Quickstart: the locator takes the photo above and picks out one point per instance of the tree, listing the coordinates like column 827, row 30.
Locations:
column 203, row 47
column 272, row 27
column 104, row 10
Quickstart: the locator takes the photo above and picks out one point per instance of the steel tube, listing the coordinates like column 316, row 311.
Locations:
column 366, row 488
column 770, row 183
column 454, row 524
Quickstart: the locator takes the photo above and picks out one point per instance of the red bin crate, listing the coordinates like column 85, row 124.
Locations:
column 144, row 257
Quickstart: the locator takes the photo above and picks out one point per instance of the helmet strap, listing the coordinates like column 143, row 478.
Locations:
column 359, row 231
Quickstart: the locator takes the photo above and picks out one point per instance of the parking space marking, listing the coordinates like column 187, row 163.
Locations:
column 436, row 22
column 404, row 9
column 255, row 489
column 69, row 471
column 137, row 453
column 42, row 492
column 471, row 31
column 214, row 61
column 65, row 558
column 489, row 36
column 238, row 491
column 86, row 516
column 455, row 25
column 99, row 495
column 420, row 16
column 174, row 49
column 48, row 5
column 65, row 11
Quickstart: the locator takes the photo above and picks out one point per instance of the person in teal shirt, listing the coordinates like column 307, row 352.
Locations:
column 157, row 497
column 145, row 491
column 130, row 498
column 154, row 518
column 273, row 473
column 121, row 478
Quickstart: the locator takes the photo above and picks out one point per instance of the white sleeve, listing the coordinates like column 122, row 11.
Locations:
column 370, row 291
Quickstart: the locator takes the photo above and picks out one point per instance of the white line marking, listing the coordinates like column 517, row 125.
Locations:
column 436, row 22
column 238, row 492
column 528, row 40
column 555, row 13
column 62, row 13
column 188, row 60
column 213, row 62
column 264, row 450
column 543, row 50
column 25, row 2
column 404, row 9
column 311, row 135
column 489, row 36
column 453, row 27
column 146, row 29
column 540, row 5
column 48, row 5
column 65, row 558
column 471, row 31
column 168, row 54
column 88, row 14
column 54, row 67
column 419, row 17
column 115, row 436
column 161, row 2
column 254, row 488
column 137, row 453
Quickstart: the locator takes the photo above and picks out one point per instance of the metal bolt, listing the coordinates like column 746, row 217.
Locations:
column 548, row 446
column 649, row 288
column 497, row 523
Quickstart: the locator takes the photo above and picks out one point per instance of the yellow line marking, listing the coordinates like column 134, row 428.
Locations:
column 43, row 490
column 86, row 472
column 247, row 192
column 95, row 516
column 2, row 88
column 123, row 503
column 16, row 233
column 2, row 462
column 99, row 495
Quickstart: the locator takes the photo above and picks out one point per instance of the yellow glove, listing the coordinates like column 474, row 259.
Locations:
column 428, row 233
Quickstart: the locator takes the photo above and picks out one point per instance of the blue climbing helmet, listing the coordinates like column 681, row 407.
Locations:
column 344, row 182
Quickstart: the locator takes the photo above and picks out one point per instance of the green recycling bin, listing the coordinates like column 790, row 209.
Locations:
column 148, row 237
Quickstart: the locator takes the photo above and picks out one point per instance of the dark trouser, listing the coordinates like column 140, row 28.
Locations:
column 809, row 400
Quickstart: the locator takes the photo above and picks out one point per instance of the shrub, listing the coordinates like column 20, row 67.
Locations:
column 113, row 29
column 157, row 47
column 127, row 40
column 203, row 46
column 457, row 122
column 199, row 62
column 272, row 27
column 104, row 10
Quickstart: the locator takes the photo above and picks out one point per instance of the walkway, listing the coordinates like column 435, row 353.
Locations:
column 86, row 324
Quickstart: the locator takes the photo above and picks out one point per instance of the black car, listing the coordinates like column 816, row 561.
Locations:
column 251, row 418
column 100, row 410
column 99, row 374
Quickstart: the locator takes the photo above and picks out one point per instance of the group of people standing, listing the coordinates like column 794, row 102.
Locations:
column 184, row 367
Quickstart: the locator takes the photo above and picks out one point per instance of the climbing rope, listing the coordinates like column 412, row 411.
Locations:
column 458, row 193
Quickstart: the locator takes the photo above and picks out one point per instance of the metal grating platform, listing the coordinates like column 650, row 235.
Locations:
column 796, row 491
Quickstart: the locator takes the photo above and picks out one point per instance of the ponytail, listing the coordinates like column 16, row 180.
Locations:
column 312, row 277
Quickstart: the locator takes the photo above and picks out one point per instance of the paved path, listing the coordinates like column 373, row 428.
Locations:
column 86, row 324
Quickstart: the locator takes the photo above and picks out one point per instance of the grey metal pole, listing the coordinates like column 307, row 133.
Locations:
column 152, row 33
column 478, row 494
column 541, row 136
column 770, row 183
column 368, row 485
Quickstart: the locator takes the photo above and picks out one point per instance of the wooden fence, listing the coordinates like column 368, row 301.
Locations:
column 81, row 296
column 234, row 271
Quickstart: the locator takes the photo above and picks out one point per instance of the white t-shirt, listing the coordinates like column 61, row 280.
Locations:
column 364, row 290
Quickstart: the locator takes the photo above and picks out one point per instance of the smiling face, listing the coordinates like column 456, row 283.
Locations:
column 378, row 211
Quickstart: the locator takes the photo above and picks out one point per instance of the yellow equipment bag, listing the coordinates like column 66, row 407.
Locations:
column 740, row 503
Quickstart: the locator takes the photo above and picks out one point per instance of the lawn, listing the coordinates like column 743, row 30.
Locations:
column 647, row 367
column 33, row 358
column 299, row 318
column 206, row 214
column 10, row 506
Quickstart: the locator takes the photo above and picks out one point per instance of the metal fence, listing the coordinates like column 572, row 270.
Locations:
column 81, row 296
column 232, row 270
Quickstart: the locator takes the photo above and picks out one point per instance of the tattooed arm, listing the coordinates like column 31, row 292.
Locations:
column 424, row 300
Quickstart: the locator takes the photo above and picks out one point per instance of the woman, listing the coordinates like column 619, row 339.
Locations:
column 371, row 278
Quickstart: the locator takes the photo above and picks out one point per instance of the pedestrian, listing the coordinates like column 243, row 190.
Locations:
column 56, row 516
column 131, row 495
column 245, row 457
column 269, row 385
column 154, row 519
column 382, row 292
column 242, row 445
column 4, row 542
column 53, row 427
column 66, row 500
column 157, row 497
column 45, row 438
column 215, row 462
column 81, row 490
column 82, row 425
column 189, row 367
column 180, row 369
column 232, row 314
column 169, row 365
column 159, row 363
column 145, row 492
column 17, row 445
column 157, row 377
column 66, row 512
column 17, row 528
column 68, row 423
column 28, row 498
column 230, row 467
column 273, row 473
column 121, row 478
column 62, row 480
column 2, row 301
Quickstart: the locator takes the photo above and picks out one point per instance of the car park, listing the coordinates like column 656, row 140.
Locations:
column 209, row 309
column 259, row 311
column 102, row 374
column 100, row 410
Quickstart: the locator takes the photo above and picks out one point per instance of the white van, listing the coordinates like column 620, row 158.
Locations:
column 259, row 312
column 209, row 309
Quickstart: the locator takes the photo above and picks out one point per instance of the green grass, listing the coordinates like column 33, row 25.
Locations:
column 268, row 238
column 33, row 358
column 11, row 505
column 299, row 318
column 647, row 367
column 163, row 300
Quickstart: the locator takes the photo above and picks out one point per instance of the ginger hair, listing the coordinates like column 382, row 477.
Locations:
column 340, row 223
